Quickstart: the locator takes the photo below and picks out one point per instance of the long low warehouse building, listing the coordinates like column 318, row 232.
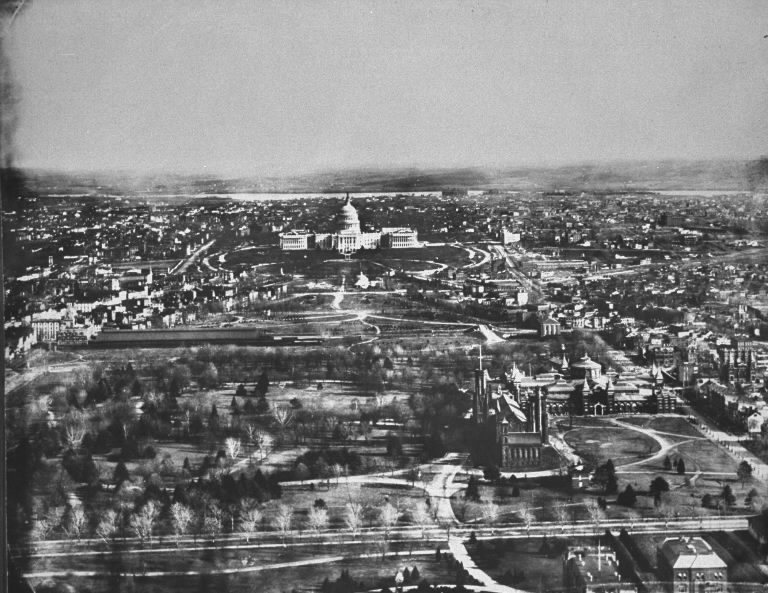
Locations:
column 175, row 337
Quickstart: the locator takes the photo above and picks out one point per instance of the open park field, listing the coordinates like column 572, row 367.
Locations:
column 598, row 444
column 301, row 566
column 638, row 458
column 329, row 265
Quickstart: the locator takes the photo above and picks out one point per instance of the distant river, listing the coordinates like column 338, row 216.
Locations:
column 263, row 197
column 704, row 193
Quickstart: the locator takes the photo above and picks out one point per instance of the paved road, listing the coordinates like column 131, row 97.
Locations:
column 192, row 258
column 441, row 487
column 526, row 282
column 402, row 534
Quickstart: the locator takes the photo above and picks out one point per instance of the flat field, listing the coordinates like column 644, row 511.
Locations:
column 273, row 570
column 598, row 444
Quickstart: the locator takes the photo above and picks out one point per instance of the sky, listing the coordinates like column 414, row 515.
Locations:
column 297, row 86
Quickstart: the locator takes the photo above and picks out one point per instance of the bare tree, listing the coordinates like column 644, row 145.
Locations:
column 526, row 516
column 595, row 512
column 143, row 521
column 250, row 517
column 353, row 516
column 107, row 525
column 74, row 434
column 282, row 415
column 561, row 515
column 257, row 437
column 181, row 517
column 282, row 520
column 75, row 428
column 233, row 448
column 388, row 516
column 41, row 528
column 317, row 519
column 421, row 516
column 212, row 520
column 489, row 511
column 52, row 519
column 338, row 470
column 76, row 523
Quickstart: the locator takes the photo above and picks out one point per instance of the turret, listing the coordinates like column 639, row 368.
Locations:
column 564, row 366
column 609, row 395
column 480, row 400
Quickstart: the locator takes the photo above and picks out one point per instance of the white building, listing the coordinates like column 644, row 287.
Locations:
column 46, row 325
column 348, row 236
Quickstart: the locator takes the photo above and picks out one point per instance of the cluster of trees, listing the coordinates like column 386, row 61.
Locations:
column 627, row 497
column 200, row 508
column 658, row 487
column 605, row 476
column 439, row 413
column 725, row 500
column 678, row 464
column 325, row 463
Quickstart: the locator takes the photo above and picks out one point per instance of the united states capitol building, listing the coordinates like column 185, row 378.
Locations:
column 347, row 236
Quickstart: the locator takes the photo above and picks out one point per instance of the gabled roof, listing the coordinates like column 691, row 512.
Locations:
column 509, row 408
column 585, row 362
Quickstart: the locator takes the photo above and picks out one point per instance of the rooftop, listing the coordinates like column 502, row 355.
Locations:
column 690, row 552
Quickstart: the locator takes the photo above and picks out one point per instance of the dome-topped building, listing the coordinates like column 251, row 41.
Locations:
column 347, row 220
column 586, row 368
column 347, row 236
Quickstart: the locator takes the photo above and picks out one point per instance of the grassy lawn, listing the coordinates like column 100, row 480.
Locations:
column 373, row 571
column 699, row 455
column 445, row 254
column 327, row 264
column 337, row 397
column 598, row 444
column 542, row 496
column 674, row 425
column 708, row 456
column 301, row 498
column 543, row 571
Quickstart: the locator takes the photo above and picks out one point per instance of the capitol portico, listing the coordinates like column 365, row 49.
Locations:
column 348, row 236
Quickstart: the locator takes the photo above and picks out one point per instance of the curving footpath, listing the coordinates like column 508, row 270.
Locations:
column 460, row 554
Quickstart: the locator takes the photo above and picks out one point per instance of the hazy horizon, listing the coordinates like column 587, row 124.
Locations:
column 243, row 89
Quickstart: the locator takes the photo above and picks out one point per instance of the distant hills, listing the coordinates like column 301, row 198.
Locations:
column 614, row 176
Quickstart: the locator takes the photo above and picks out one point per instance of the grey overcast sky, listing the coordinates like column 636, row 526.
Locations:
column 287, row 86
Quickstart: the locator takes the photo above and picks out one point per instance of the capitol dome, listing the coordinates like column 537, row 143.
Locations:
column 347, row 219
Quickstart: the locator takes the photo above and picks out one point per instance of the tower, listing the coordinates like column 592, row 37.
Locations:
column 537, row 412
column 609, row 396
column 480, row 400
column 564, row 366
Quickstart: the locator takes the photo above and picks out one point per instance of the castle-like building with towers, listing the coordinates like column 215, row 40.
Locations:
column 514, row 409
column 347, row 236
